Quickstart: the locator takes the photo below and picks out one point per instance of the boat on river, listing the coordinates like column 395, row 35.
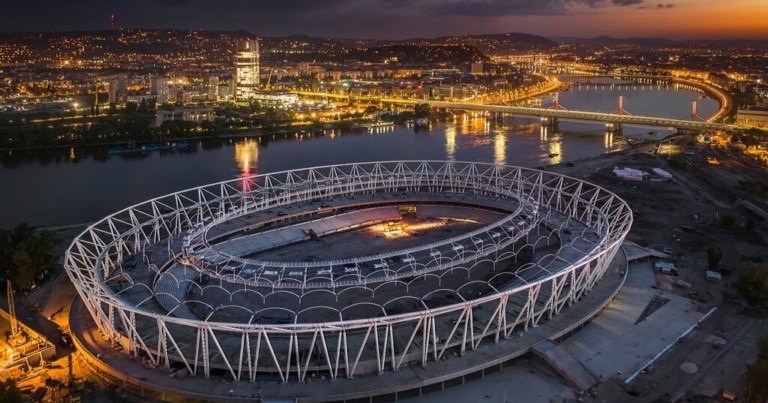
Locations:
column 147, row 148
column 133, row 150
column 377, row 124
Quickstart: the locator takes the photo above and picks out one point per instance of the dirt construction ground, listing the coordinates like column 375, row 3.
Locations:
column 661, row 208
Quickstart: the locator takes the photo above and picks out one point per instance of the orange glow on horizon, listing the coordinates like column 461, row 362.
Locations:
column 687, row 19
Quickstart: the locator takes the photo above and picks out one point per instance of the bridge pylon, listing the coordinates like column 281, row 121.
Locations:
column 621, row 110
column 557, row 105
column 694, row 117
column 500, row 100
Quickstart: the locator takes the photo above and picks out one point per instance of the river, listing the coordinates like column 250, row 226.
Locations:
column 66, row 186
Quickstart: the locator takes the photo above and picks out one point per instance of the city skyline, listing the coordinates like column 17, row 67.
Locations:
column 400, row 19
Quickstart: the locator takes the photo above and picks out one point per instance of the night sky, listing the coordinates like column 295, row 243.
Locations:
column 398, row 19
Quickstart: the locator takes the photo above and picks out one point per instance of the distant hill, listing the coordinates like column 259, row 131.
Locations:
column 218, row 46
column 641, row 41
column 610, row 41
column 512, row 37
column 413, row 54
column 494, row 43
column 754, row 43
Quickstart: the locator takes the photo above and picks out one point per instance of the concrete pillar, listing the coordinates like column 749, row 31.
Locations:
column 614, row 127
column 550, row 122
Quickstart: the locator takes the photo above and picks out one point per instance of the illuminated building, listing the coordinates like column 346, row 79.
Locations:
column 117, row 87
column 212, row 88
column 247, row 70
column 158, row 86
column 275, row 98
column 752, row 117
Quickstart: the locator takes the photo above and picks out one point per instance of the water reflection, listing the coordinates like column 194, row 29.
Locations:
column 556, row 148
column 450, row 142
column 73, row 175
column 247, row 157
column 608, row 141
column 500, row 147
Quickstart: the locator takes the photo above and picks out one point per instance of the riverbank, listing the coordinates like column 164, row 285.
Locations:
column 723, row 98
column 226, row 136
column 240, row 134
column 63, row 185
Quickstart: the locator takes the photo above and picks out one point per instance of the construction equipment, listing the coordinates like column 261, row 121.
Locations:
column 12, row 310
column 267, row 86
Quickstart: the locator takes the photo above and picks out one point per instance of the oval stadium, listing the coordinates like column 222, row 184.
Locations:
column 337, row 274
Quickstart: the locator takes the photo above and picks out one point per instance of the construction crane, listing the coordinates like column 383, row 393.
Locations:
column 267, row 86
column 12, row 310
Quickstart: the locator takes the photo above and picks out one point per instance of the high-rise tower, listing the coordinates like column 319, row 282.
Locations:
column 159, row 86
column 247, row 66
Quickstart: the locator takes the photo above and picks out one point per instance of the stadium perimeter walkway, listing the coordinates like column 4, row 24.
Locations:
column 620, row 340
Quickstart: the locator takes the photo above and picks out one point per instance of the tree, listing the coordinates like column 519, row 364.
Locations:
column 749, row 226
column 727, row 221
column 371, row 110
column 25, row 253
column 754, row 187
column 9, row 392
column 745, row 98
column 271, row 118
column 5, row 252
column 757, row 373
column 131, row 107
column 421, row 110
column 762, row 348
column 753, row 285
column 678, row 161
column 143, row 107
column 255, row 106
column 714, row 255
column 207, row 126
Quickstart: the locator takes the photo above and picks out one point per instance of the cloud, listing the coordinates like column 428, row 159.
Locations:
column 347, row 18
column 172, row 3
column 498, row 8
column 659, row 6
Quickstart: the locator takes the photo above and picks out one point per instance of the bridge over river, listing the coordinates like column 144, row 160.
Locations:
column 549, row 116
